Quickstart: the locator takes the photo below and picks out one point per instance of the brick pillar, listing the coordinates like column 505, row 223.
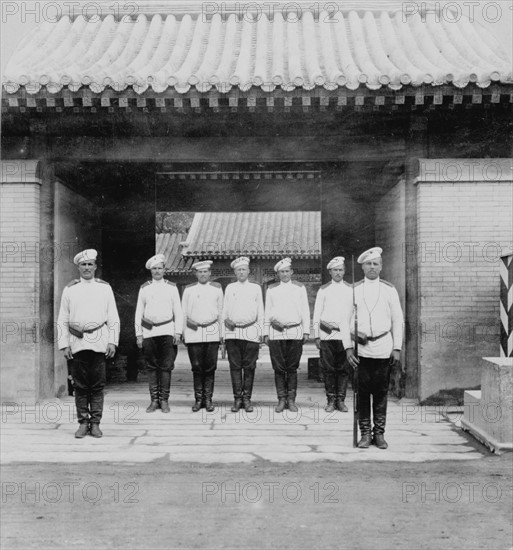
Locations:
column 20, row 223
column 506, row 305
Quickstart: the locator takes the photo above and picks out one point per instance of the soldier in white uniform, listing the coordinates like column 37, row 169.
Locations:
column 202, row 305
column 333, row 306
column 158, row 329
column 88, row 327
column 243, row 323
column 380, row 328
column 286, row 329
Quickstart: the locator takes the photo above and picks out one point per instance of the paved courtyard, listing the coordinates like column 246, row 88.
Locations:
column 415, row 434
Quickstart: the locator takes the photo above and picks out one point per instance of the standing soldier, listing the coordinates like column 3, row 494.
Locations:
column 158, row 328
column 333, row 306
column 380, row 337
column 88, row 326
column 286, row 329
column 202, row 309
column 243, row 320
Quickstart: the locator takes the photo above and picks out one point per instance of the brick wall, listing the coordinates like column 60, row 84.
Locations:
column 19, row 282
column 464, row 225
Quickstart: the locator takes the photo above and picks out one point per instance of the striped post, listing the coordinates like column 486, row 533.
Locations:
column 506, row 305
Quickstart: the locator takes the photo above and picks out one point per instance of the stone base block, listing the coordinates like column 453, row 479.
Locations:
column 488, row 414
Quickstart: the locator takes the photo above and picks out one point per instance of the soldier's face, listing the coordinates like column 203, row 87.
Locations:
column 372, row 268
column 87, row 269
column 157, row 272
column 337, row 273
column 285, row 274
column 203, row 275
column 242, row 273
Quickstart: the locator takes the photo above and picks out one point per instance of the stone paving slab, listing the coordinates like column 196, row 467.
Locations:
column 44, row 433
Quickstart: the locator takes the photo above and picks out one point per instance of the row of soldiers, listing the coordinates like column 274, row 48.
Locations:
column 206, row 318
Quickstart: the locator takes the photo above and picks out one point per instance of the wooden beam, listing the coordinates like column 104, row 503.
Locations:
column 214, row 149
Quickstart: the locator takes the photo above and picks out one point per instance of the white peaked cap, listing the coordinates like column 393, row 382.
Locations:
column 371, row 254
column 203, row 264
column 239, row 261
column 88, row 255
column 338, row 261
column 155, row 260
column 282, row 264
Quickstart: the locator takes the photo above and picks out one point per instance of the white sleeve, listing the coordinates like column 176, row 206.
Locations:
column 63, row 321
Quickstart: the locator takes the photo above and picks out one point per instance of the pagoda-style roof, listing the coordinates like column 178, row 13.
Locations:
column 175, row 48
column 226, row 235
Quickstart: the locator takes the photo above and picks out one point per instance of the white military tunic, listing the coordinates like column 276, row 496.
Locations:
column 202, row 303
column 157, row 302
column 287, row 303
column 334, row 305
column 379, row 311
column 243, row 304
column 87, row 304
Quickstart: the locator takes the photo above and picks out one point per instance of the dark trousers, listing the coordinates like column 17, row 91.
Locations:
column 285, row 358
column 203, row 356
column 373, row 380
column 160, row 354
column 242, row 357
column 89, row 375
column 335, row 368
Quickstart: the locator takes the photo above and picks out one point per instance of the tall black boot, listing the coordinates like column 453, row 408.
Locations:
column 236, row 377
column 197, row 381
column 342, row 379
column 330, row 388
column 165, row 390
column 281, row 390
column 154, row 391
column 208, row 390
column 365, row 431
column 379, row 413
column 249, row 377
column 292, row 390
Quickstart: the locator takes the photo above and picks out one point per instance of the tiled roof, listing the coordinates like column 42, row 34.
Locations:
column 348, row 48
column 254, row 234
column 169, row 245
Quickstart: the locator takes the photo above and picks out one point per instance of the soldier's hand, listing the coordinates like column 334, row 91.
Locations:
column 395, row 358
column 139, row 342
column 266, row 340
column 351, row 358
column 67, row 353
column 318, row 343
column 111, row 350
column 177, row 339
column 306, row 337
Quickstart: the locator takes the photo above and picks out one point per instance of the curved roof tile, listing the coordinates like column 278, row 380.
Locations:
column 348, row 48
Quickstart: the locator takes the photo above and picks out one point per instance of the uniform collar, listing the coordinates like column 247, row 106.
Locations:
column 244, row 283
column 87, row 281
column 289, row 283
column 160, row 282
column 371, row 281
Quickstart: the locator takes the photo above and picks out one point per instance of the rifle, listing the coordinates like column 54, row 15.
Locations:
column 355, row 371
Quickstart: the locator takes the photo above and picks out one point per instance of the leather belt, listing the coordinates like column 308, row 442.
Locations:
column 232, row 326
column 326, row 328
column 148, row 325
column 364, row 339
column 80, row 333
column 374, row 338
column 194, row 326
column 281, row 328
